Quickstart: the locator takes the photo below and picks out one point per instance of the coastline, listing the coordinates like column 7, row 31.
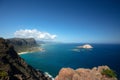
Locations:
column 22, row 53
column 34, row 50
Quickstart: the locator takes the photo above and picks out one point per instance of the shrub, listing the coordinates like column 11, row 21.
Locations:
column 3, row 74
column 109, row 73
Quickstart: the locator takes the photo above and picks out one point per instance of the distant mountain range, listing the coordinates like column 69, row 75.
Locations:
column 23, row 44
column 26, row 44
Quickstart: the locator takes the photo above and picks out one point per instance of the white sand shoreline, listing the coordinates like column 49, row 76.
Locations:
column 40, row 49
column 23, row 53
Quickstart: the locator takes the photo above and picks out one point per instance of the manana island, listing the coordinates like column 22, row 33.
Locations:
column 13, row 67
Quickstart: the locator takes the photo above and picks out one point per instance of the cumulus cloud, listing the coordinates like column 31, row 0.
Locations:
column 34, row 33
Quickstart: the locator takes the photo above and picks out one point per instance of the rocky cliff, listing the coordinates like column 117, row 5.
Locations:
column 23, row 44
column 100, row 73
column 12, row 67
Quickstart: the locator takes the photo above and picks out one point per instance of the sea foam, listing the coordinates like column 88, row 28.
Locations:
column 48, row 75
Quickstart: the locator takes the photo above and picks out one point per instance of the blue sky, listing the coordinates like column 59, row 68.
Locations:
column 88, row 21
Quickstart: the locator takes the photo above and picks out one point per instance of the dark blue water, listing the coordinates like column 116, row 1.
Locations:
column 57, row 56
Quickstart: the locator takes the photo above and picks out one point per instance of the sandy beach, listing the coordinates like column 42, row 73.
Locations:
column 38, row 49
column 23, row 53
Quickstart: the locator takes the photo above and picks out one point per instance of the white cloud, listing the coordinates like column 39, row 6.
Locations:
column 34, row 33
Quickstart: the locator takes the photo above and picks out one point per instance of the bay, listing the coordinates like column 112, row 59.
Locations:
column 57, row 56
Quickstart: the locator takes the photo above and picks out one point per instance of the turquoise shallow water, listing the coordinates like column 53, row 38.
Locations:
column 57, row 56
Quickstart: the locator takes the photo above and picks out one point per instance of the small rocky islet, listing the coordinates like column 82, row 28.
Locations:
column 85, row 46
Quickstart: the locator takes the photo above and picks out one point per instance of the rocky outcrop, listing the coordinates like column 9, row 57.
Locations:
column 86, row 46
column 13, row 67
column 23, row 44
column 84, row 74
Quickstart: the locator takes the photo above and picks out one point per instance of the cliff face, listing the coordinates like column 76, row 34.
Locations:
column 12, row 67
column 22, row 41
column 85, row 74
column 23, row 44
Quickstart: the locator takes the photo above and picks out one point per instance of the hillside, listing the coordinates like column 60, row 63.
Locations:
column 23, row 44
column 13, row 67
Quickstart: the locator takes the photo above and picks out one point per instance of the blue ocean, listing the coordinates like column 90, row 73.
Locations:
column 57, row 56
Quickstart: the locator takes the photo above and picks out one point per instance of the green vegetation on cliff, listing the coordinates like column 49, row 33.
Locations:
column 3, row 74
column 23, row 44
column 109, row 73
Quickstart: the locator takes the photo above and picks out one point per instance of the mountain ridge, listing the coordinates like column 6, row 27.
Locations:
column 23, row 44
column 13, row 67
